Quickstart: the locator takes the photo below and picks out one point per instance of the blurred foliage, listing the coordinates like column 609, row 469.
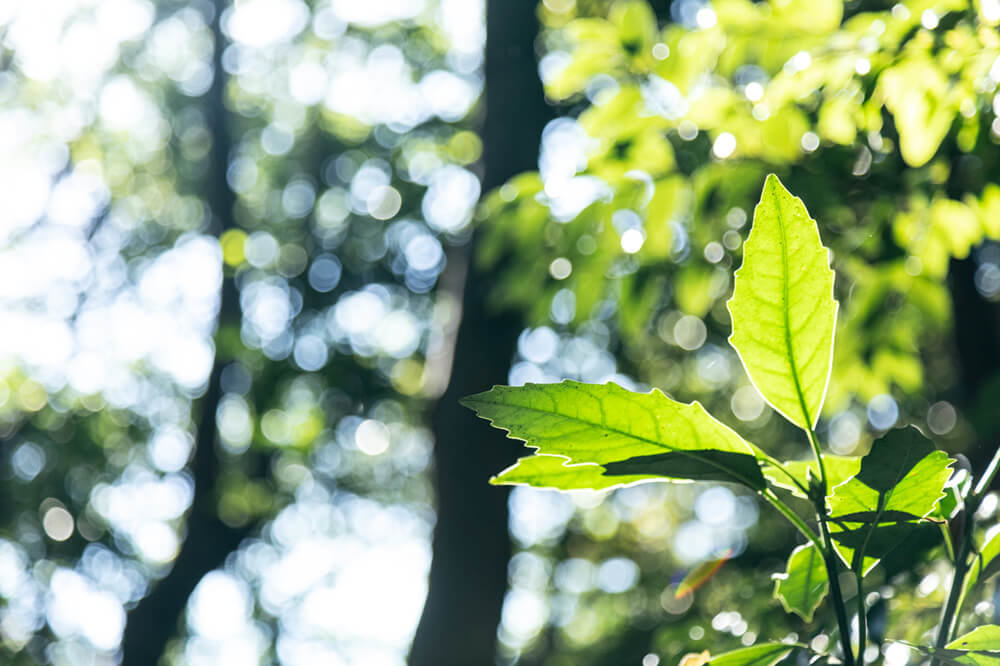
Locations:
column 352, row 161
column 882, row 117
column 337, row 135
column 670, row 130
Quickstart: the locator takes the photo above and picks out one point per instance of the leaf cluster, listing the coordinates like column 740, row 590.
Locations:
column 784, row 320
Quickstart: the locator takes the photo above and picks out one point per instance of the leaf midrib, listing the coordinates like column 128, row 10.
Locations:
column 685, row 452
column 786, row 311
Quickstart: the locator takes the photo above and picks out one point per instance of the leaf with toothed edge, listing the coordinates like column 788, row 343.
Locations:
column 603, row 436
column 783, row 309
column 899, row 483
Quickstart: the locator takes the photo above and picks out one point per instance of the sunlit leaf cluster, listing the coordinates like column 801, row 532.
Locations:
column 600, row 437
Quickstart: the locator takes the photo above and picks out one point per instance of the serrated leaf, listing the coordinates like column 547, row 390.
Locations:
column 900, row 482
column 838, row 470
column 631, row 436
column 783, row 309
column 557, row 473
column 765, row 654
column 804, row 584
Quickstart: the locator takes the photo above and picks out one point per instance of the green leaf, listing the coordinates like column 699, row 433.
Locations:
column 783, row 308
column 987, row 562
column 557, row 473
column 764, row 654
column 804, row 584
column 900, row 482
column 631, row 436
column 838, row 470
column 917, row 94
column 979, row 647
column 986, row 637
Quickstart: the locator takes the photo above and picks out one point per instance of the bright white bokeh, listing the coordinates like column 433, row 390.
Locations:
column 113, row 299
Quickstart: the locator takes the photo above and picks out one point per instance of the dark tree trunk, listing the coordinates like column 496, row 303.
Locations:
column 977, row 340
column 977, row 328
column 156, row 619
column 468, row 577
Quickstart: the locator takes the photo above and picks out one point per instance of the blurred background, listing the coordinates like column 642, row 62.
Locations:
column 253, row 252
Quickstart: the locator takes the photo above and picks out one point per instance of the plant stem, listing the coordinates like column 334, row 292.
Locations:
column 814, row 443
column 792, row 517
column 830, row 560
column 949, row 615
column 956, row 594
column 985, row 480
column 830, row 555
column 862, row 618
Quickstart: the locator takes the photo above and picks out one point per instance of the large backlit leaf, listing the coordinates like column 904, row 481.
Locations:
column 628, row 436
column 764, row 654
column 804, row 584
column 900, row 481
column 783, row 307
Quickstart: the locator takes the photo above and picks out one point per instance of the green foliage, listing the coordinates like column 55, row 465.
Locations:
column 783, row 308
column 899, row 483
column 633, row 436
column 986, row 562
column 765, row 654
column 979, row 647
column 982, row 638
column 803, row 585
column 881, row 119
column 783, row 312
column 793, row 475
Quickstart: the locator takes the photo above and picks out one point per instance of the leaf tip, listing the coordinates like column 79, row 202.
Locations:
column 474, row 400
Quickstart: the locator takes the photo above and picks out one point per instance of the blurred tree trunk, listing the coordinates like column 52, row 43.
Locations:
column 977, row 341
column 156, row 619
column 468, row 577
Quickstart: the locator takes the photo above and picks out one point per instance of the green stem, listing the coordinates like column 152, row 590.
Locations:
column 814, row 443
column 985, row 480
column 830, row 560
column 862, row 618
column 792, row 517
column 956, row 594
column 829, row 554
column 949, row 615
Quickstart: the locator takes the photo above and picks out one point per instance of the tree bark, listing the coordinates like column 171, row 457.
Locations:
column 468, row 577
column 157, row 617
